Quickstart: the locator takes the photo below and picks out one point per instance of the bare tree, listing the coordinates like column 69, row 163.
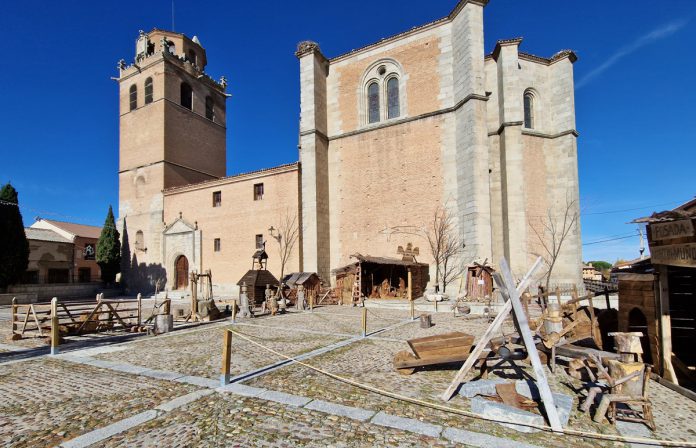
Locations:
column 552, row 230
column 288, row 234
column 446, row 247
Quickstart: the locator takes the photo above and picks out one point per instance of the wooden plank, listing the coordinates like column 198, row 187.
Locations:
column 674, row 255
column 418, row 362
column 665, row 326
column 542, row 382
column 36, row 320
column 485, row 339
column 661, row 231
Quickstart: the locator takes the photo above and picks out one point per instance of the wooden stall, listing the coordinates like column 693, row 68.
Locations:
column 379, row 278
column 258, row 277
column 668, row 312
column 310, row 281
column 479, row 281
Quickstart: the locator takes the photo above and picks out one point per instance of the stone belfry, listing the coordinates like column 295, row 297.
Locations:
column 172, row 133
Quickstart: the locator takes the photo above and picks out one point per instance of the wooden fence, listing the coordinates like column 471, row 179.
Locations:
column 56, row 318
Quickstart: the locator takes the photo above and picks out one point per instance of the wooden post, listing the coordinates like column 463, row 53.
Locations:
column 409, row 294
column 311, row 300
column 558, row 296
column 140, row 309
column 486, row 338
column 606, row 296
column 665, row 350
column 55, row 327
column 234, row 310
column 226, row 358
column 413, row 311
column 14, row 314
column 364, row 322
column 436, row 305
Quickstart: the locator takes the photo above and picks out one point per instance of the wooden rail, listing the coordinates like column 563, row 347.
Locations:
column 56, row 318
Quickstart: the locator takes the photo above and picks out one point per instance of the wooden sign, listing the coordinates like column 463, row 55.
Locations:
column 669, row 230
column 674, row 255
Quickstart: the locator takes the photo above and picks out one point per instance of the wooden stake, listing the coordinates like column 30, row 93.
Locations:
column 226, row 358
column 486, row 338
column 508, row 287
column 55, row 328
column 413, row 311
column 409, row 287
column 14, row 314
column 364, row 322
column 234, row 310
column 311, row 300
column 140, row 309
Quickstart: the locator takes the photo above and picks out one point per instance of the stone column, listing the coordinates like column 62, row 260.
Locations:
column 314, row 159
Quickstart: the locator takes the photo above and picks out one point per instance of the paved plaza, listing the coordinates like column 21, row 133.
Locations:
column 165, row 390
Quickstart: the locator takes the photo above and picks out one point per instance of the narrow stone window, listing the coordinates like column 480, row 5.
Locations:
column 216, row 245
column 373, row 102
column 186, row 96
column 133, row 97
column 192, row 57
column 148, row 90
column 209, row 108
column 529, row 110
column 217, row 198
column 139, row 240
column 258, row 192
column 393, row 98
column 259, row 241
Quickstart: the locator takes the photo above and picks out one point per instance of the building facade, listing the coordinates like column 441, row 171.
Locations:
column 389, row 133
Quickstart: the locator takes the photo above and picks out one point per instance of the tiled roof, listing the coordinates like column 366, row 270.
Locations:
column 82, row 230
column 44, row 235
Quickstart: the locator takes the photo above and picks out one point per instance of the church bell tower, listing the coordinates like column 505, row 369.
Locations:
column 172, row 133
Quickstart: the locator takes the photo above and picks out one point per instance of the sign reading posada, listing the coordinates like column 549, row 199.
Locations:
column 674, row 255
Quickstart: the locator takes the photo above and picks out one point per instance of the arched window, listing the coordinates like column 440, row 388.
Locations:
column 133, row 97
column 148, row 90
column 529, row 110
column 393, row 97
column 373, row 102
column 186, row 96
column 139, row 240
column 192, row 57
column 209, row 108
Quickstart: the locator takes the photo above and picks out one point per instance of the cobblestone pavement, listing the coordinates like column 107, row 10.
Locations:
column 199, row 352
column 69, row 399
column 370, row 362
column 47, row 401
column 224, row 420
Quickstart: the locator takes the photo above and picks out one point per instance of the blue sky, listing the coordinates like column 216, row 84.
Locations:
column 635, row 91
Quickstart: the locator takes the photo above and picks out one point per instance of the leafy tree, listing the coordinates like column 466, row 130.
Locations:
column 14, row 247
column 109, row 249
column 601, row 265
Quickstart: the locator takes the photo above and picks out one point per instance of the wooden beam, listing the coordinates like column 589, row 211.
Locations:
column 665, row 326
column 226, row 358
column 488, row 335
column 542, row 382
column 55, row 327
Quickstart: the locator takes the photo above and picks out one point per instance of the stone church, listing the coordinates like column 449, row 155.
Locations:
column 388, row 133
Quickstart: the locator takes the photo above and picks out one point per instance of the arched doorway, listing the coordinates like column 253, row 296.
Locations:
column 181, row 270
column 638, row 323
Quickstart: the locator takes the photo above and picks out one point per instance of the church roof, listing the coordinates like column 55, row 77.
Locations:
column 44, row 235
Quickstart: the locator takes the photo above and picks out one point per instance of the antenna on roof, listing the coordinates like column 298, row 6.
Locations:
column 172, row 15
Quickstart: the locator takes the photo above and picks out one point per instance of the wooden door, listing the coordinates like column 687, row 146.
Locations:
column 181, row 274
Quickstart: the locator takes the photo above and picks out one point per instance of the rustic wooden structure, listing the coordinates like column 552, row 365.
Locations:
column 310, row 281
column 379, row 277
column 59, row 318
column 257, row 278
column 432, row 350
column 664, row 307
column 479, row 281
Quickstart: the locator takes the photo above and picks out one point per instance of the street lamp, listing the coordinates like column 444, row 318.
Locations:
column 278, row 238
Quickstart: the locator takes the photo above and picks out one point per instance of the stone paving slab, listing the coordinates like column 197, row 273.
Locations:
column 110, row 430
column 340, row 410
column 241, row 389
column 184, row 400
column 407, row 424
column 280, row 397
column 482, row 440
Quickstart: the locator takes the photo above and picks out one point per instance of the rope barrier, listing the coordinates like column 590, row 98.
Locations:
column 440, row 407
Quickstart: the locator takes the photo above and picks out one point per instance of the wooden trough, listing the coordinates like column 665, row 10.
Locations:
column 432, row 350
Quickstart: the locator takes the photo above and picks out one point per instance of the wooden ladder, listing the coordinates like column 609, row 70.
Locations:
column 356, row 286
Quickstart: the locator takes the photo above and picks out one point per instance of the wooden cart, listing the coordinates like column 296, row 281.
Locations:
column 432, row 350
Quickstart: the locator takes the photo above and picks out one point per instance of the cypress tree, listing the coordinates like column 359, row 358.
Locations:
column 14, row 247
column 109, row 249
